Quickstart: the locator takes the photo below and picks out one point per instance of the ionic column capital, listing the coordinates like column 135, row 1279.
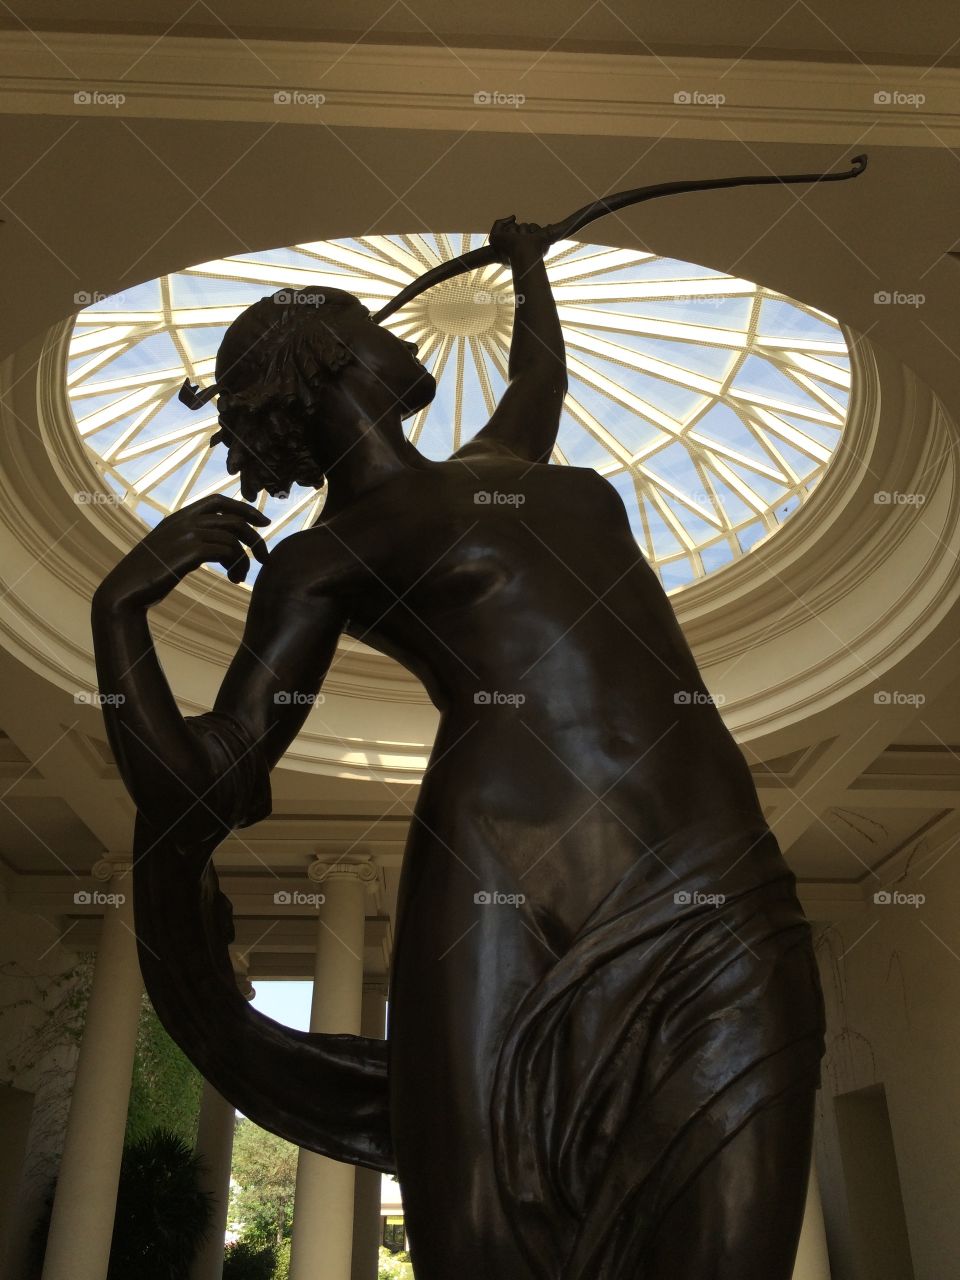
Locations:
column 363, row 869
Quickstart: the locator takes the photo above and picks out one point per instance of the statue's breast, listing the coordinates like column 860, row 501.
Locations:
column 459, row 584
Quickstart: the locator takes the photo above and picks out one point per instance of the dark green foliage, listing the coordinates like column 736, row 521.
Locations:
column 247, row 1261
column 162, row 1215
column 281, row 1265
column 166, row 1086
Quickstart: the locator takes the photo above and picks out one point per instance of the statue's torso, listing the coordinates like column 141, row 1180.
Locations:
column 573, row 715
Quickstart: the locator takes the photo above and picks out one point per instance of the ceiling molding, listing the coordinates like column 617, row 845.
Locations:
column 378, row 86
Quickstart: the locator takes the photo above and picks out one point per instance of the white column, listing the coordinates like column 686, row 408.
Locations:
column 813, row 1261
column 78, row 1247
column 366, row 1195
column 215, row 1148
column 323, row 1206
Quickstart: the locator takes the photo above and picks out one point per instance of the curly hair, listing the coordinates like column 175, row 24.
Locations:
column 272, row 367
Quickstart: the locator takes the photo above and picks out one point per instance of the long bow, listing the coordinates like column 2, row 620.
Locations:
column 194, row 398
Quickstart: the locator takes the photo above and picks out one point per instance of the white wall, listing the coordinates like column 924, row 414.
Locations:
column 892, row 984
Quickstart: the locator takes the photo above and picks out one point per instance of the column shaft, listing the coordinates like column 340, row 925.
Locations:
column 813, row 1262
column 323, row 1205
column 81, row 1228
column 215, row 1148
column 366, row 1196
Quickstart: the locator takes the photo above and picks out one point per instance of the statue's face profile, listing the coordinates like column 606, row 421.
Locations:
column 390, row 362
column 295, row 373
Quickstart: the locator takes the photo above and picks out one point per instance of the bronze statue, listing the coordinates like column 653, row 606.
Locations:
column 606, row 1023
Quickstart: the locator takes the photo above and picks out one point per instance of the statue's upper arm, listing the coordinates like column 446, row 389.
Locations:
column 292, row 628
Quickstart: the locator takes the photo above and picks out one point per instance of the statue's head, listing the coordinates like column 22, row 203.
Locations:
column 279, row 368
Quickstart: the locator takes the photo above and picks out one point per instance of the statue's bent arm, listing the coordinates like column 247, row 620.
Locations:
column 288, row 643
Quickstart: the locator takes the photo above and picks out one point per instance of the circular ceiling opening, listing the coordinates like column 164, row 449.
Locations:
column 712, row 404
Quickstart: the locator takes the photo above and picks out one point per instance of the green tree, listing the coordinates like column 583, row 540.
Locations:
column 246, row 1261
column 394, row 1266
column 281, row 1266
column 265, row 1171
column 162, row 1214
column 166, row 1086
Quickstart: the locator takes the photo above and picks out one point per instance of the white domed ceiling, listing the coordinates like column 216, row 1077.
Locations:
column 711, row 403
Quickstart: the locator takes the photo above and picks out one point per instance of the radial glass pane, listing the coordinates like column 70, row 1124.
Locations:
column 713, row 405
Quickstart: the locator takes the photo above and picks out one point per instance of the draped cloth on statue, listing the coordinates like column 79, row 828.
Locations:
column 669, row 1023
column 666, row 1026
column 324, row 1092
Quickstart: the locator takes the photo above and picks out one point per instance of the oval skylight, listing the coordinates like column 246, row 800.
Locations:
column 711, row 403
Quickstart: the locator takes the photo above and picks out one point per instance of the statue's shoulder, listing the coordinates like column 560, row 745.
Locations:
column 308, row 561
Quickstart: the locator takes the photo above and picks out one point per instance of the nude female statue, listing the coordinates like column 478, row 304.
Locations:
column 606, row 1024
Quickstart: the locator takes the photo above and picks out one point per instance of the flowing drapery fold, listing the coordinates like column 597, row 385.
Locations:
column 324, row 1092
column 688, row 1003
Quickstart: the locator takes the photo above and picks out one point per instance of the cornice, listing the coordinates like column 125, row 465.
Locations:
column 389, row 86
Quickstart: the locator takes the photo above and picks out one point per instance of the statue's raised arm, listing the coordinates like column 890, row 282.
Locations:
column 527, row 418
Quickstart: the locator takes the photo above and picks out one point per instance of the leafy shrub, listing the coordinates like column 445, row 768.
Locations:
column 246, row 1261
column 166, row 1087
column 281, row 1267
column 162, row 1214
column 265, row 1184
column 394, row 1266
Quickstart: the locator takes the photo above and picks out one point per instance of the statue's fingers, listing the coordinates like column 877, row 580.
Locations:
column 238, row 568
column 239, row 528
column 217, row 503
